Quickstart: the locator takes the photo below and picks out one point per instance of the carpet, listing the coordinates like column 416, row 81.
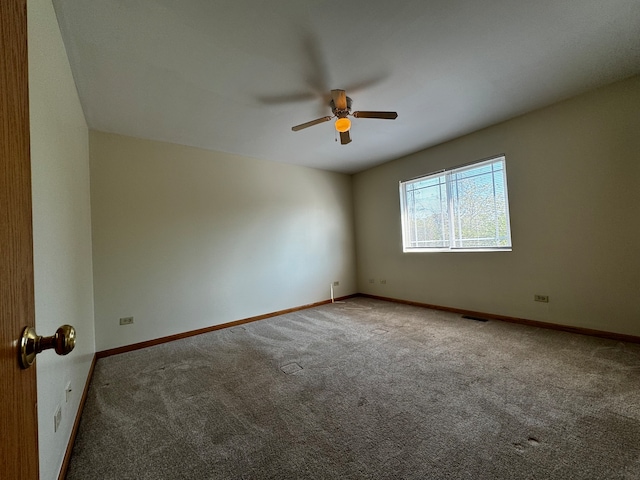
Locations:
column 365, row 389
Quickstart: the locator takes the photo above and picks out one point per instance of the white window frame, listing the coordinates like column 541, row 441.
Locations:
column 445, row 180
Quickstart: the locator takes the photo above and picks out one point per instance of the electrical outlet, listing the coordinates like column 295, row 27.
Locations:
column 383, row 282
column 372, row 280
column 541, row 298
column 67, row 392
column 336, row 283
column 126, row 320
column 57, row 418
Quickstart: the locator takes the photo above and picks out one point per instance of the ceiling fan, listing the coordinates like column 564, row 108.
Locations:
column 341, row 107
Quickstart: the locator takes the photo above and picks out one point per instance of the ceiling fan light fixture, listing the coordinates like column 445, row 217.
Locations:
column 343, row 124
column 340, row 106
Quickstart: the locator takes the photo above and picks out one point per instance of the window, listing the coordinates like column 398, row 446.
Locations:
column 462, row 209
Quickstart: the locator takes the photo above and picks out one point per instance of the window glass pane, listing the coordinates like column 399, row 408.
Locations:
column 427, row 213
column 477, row 208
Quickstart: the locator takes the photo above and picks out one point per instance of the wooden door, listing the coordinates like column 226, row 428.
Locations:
column 18, row 415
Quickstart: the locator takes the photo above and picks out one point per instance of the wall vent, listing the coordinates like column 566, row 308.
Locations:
column 479, row 319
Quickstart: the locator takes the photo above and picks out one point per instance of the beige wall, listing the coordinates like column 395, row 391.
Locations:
column 573, row 173
column 61, row 230
column 185, row 238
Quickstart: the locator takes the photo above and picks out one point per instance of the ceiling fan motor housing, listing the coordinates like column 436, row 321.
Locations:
column 341, row 113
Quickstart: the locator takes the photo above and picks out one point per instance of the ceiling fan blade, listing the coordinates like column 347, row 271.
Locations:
column 345, row 137
column 311, row 123
column 385, row 115
column 287, row 98
column 339, row 99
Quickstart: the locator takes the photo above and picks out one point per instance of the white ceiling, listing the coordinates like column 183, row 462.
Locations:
column 236, row 75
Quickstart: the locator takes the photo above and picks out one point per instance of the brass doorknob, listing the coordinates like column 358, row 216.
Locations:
column 32, row 344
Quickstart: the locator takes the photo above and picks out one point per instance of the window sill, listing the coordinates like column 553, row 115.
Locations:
column 455, row 250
